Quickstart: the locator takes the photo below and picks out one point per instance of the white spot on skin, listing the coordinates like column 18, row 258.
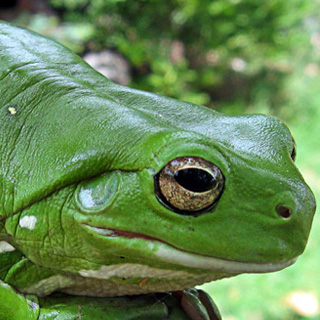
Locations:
column 6, row 247
column 28, row 222
column 12, row 110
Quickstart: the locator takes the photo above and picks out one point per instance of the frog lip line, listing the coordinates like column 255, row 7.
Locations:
column 177, row 256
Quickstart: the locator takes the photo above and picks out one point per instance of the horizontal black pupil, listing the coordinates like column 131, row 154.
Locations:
column 196, row 180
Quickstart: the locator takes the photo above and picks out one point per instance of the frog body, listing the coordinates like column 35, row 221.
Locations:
column 109, row 191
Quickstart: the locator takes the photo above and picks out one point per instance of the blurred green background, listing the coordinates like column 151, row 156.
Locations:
column 235, row 56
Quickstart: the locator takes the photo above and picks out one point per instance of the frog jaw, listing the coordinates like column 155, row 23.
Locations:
column 171, row 255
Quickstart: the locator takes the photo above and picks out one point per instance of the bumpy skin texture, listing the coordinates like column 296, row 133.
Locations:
column 79, row 211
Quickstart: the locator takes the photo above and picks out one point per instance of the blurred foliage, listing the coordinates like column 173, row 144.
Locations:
column 231, row 54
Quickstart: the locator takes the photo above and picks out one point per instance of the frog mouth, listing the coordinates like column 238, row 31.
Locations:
column 173, row 255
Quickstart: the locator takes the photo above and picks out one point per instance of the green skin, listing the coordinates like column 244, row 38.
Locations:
column 79, row 208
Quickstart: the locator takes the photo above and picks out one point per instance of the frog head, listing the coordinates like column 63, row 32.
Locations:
column 113, row 191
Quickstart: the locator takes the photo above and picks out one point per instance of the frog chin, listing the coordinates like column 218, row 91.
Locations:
column 169, row 254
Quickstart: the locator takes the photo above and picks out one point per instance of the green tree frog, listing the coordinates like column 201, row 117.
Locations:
column 122, row 200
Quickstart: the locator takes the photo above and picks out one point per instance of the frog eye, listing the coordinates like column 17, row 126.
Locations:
column 189, row 185
column 293, row 154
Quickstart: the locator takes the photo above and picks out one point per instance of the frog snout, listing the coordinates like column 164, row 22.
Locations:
column 293, row 209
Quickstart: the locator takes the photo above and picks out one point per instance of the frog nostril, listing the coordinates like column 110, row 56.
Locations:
column 283, row 211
